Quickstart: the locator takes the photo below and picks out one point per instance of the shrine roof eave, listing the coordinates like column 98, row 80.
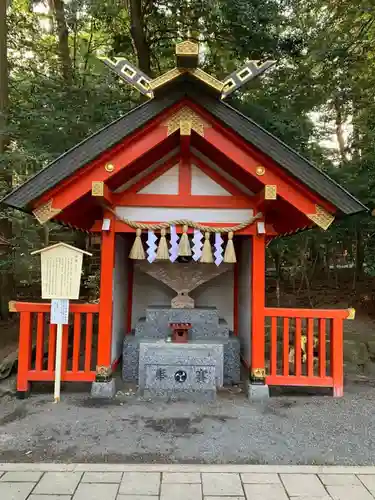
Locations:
column 92, row 147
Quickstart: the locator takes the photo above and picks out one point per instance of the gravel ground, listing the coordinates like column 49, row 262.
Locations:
column 286, row 430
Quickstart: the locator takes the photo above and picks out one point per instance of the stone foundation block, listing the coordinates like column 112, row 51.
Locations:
column 103, row 390
column 258, row 392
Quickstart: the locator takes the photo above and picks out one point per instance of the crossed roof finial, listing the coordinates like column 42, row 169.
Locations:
column 187, row 58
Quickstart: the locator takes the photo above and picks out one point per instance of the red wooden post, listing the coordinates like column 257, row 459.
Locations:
column 24, row 356
column 337, row 357
column 258, row 270
column 107, row 263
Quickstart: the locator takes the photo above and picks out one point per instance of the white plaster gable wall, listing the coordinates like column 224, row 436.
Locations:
column 244, row 251
column 221, row 171
column 202, row 184
column 167, row 183
column 147, row 171
column 120, row 294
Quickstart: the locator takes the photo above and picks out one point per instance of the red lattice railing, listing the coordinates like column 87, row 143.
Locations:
column 37, row 344
column 304, row 347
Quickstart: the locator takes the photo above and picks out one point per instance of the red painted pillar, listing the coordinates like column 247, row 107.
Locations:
column 107, row 263
column 337, row 357
column 258, row 273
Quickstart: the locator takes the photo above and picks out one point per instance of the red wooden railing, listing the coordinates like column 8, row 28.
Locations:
column 37, row 341
column 305, row 347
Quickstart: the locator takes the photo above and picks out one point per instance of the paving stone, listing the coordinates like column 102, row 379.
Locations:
column 253, row 477
column 102, row 477
column 50, row 497
column 303, row 484
column 21, row 477
column 221, row 484
column 265, row 492
column 96, row 491
column 369, row 481
column 308, row 497
column 140, row 483
column 224, row 498
column 181, row 477
column 137, row 497
column 171, row 491
column 58, row 483
column 334, row 479
column 349, row 492
column 15, row 491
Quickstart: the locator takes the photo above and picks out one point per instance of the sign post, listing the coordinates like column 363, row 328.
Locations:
column 61, row 279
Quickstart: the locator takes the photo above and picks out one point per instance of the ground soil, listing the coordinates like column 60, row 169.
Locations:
column 292, row 429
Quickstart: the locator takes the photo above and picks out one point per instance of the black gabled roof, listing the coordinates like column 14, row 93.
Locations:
column 89, row 149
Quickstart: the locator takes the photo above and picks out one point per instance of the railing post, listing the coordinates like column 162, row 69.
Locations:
column 107, row 263
column 337, row 357
column 258, row 271
column 24, row 355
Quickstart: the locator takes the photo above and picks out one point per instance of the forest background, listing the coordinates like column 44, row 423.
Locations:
column 319, row 99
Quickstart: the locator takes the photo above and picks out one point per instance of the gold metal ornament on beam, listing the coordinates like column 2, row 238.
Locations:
column 183, row 116
column 45, row 212
column 97, row 188
column 270, row 192
column 322, row 218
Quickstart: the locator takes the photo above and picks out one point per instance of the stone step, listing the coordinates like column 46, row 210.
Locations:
column 163, row 316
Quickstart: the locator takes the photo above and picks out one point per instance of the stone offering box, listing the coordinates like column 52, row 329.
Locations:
column 180, row 371
column 206, row 329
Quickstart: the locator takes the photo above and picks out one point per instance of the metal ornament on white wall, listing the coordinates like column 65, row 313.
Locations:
column 197, row 245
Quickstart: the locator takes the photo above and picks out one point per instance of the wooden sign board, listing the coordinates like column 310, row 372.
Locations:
column 61, row 271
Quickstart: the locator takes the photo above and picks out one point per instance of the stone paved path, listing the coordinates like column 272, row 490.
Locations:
column 184, row 482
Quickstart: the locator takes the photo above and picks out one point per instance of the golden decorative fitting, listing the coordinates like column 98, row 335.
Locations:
column 270, row 192
column 186, row 115
column 187, row 54
column 187, row 48
column 351, row 313
column 260, row 170
column 45, row 212
column 208, row 79
column 103, row 373
column 97, row 188
column 258, row 373
column 109, row 167
column 166, row 77
column 185, row 127
column 12, row 306
column 322, row 218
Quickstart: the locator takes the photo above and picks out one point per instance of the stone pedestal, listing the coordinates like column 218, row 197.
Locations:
column 205, row 327
column 180, row 371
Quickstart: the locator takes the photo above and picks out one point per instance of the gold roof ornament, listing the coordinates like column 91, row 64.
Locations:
column 187, row 54
column 322, row 218
column 187, row 58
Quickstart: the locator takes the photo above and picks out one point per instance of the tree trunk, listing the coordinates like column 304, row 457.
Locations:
column 339, row 130
column 63, row 40
column 138, row 33
column 6, row 268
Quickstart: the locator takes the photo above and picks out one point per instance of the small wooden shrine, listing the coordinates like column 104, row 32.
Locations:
column 185, row 176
